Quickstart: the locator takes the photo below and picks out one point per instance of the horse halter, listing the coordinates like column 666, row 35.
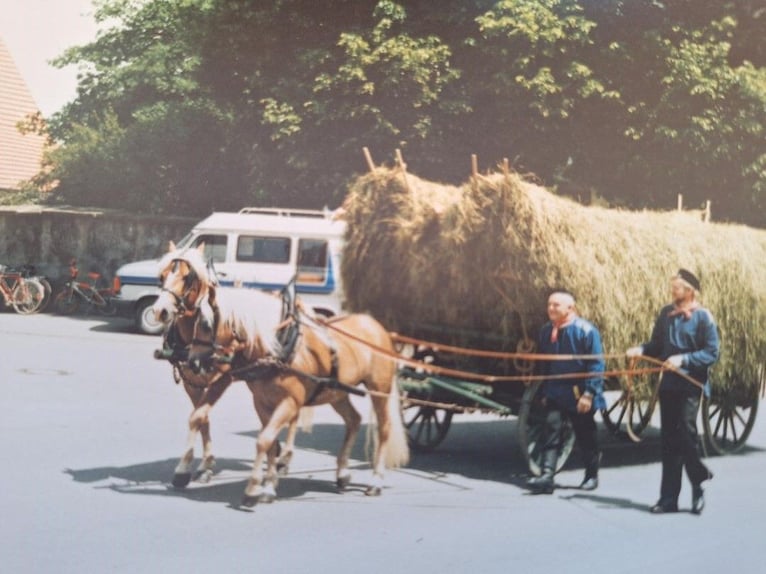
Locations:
column 188, row 287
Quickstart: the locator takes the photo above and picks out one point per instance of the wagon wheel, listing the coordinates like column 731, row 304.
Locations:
column 728, row 418
column 531, row 424
column 426, row 426
column 629, row 409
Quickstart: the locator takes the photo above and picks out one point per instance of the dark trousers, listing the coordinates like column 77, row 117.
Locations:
column 585, row 432
column 680, row 443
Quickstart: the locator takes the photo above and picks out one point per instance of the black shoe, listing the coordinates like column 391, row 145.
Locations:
column 541, row 484
column 663, row 508
column 589, row 483
column 698, row 501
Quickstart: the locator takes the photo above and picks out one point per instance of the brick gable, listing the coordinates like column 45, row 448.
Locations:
column 20, row 155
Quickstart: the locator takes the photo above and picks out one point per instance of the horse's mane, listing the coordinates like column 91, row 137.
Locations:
column 193, row 257
column 252, row 314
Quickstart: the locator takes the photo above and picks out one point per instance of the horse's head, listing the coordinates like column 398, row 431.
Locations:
column 185, row 282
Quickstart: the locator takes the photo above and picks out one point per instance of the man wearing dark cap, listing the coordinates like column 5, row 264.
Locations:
column 685, row 337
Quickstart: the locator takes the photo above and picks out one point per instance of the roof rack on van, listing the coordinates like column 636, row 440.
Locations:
column 286, row 212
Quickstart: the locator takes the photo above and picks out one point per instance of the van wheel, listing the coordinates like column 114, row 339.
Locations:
column 145, row 321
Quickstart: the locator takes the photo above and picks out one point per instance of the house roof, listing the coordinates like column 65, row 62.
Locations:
column 20, row 155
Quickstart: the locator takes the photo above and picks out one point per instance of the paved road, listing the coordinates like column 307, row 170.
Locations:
column 92, row 426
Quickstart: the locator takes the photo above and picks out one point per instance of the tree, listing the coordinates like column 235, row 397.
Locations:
column 530, row 78
column 213, row 103
column 186, row 106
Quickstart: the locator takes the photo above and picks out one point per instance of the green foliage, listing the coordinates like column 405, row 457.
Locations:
column 532, row 78
column 382, row 87
column 184, row 106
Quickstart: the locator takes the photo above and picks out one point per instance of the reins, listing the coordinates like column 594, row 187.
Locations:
column 289, row 332
column 524, row 378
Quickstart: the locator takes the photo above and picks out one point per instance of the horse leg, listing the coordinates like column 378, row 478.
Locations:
column 353, row 421
column 262, row 486
column 284, row 457
column 199, row 422
column 207, row 464
column 380, row 406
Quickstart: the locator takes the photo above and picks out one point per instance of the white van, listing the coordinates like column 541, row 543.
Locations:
column 262, row 248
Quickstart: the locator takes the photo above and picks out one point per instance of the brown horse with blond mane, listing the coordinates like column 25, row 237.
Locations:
column 288, row 359
column 177, row 307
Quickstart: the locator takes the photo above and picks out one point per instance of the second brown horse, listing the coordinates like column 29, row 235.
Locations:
column 236, row 334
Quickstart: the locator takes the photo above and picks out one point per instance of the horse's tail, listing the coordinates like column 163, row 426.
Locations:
column 398, row 452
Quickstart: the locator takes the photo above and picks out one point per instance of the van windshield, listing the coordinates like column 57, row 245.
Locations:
column 185, row 241
column 215, row 247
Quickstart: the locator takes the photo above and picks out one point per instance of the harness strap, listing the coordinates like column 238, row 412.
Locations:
column 320, row 386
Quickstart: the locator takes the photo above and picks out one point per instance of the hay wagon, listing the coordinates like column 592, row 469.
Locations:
column 432, row 398
column 481, row 257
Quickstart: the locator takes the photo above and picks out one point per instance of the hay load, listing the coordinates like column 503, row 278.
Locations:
column 471, row 266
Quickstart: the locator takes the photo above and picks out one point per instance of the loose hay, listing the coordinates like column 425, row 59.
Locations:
column 472, row 266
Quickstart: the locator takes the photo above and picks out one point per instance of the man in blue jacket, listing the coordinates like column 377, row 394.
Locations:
column 685, row 337
column 574, row 398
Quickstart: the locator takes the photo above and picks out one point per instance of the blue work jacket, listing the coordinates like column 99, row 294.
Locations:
column 695, row 338
column 580, row 337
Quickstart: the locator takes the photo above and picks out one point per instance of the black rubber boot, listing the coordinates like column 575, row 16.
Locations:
column 590, row 482
column 544, row 483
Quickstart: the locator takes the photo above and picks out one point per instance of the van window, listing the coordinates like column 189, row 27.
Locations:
column 263, row 249
column 312, row 261
column 215, row 247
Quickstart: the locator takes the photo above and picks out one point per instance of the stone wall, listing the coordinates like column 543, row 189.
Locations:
column 99, row 240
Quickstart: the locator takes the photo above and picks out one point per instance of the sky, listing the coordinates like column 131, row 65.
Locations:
column 36, row 31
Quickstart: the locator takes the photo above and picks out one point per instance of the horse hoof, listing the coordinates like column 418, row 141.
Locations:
column 204, row 476
column 373, row 491
column 343, row 482
column 266, row 498
column 249, row 501
column 283, row 469
column 181, row 480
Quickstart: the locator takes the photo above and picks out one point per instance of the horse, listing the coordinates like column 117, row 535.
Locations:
column 177, row 307
column 289, row 361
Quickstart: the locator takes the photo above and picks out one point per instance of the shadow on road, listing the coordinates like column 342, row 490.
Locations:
column 226, row 486
column 482, row 450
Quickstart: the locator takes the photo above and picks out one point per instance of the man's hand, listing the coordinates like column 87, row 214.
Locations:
column 674, row 361
column 634, row 352
column 584, row 404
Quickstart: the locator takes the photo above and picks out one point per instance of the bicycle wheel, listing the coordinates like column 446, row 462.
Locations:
column 47, row 293
column 105, row 303
column 67, row 302
column 28, row 295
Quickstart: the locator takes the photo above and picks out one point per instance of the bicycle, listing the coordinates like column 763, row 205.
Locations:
column 29, row 271
column 74, row 293
column 25, row 295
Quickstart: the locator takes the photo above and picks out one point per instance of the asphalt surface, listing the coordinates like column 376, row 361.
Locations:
column 93, row 426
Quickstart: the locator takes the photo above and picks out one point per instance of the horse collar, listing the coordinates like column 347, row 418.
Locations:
column 288, row 334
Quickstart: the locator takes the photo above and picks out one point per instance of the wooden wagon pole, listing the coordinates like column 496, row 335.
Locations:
column 706, row 212
column 402, row 168
column 368, row 158
column 474, row 171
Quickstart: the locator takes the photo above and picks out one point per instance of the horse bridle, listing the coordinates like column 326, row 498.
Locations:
column 188, row 287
